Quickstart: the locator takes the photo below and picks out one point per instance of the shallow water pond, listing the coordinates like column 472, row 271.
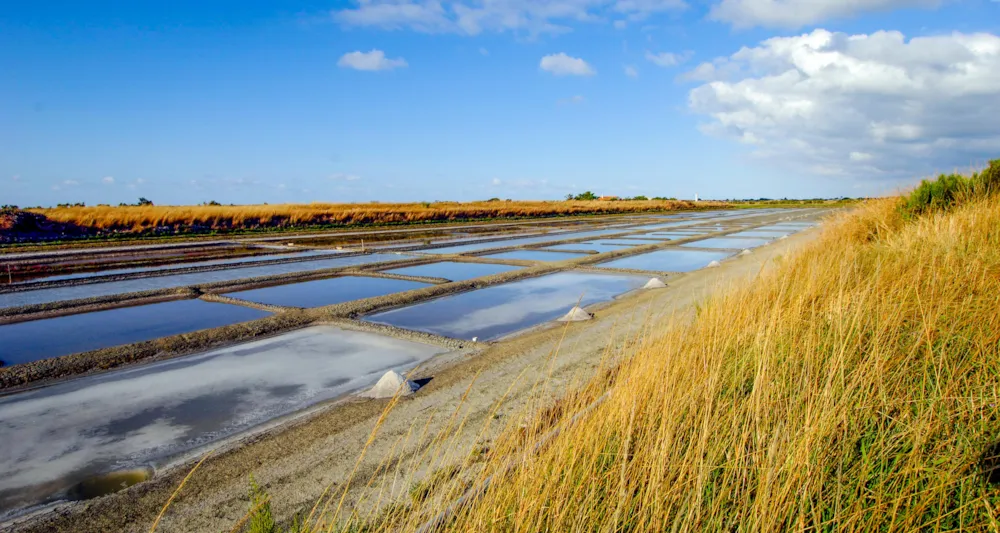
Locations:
column 56, row 294
column 175, row 266
column 670, row 260
column 56, row 437
column 503, row 309
column 534, row 255
column 521, row 242
column 727, row 242
column 320, row 292
column 51, row 337
column 597, row 246
column 454, row 270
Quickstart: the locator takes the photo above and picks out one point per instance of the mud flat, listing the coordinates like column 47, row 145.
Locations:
column 60, row 436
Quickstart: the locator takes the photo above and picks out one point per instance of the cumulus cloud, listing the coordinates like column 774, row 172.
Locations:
column 563, row 65
column 472, row 17
column 370, row 61
column 631, row 72
column 108, row 180
column 797, row 13
column 667, row 59
column 873, row 105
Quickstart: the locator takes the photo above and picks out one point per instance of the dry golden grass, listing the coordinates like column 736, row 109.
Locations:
column 853, row 387
column 144, row 218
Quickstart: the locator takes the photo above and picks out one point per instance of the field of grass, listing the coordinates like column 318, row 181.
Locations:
column 854, row 386
column 138, row 219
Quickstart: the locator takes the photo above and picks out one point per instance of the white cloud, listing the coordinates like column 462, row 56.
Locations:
column 345, row 177
column 484, row 51
column 797, row 13
column 496, row 182
column 563, row 65
column 370, row 61
column 472, row 17
column 577, row 99
column 620, row 24
column 631, row 72
column 70, row 183
column 667, row 59
column 108, row 180
column 858, row 105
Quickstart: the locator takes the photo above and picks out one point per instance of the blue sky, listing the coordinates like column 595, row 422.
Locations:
column 396, row 100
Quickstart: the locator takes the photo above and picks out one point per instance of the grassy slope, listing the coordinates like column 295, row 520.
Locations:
column 853, row 387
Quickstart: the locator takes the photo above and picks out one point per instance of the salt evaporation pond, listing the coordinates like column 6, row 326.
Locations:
column 55, row 294
column 671, row 260
column 453, row 270
column 534, row 255
column 522, row 242
column 320, row 292
column 175, row 266
column 503, row 309
column 727, row 242
column 597, row 246
column 55, row 437
column 759, row 233
column 24, row 342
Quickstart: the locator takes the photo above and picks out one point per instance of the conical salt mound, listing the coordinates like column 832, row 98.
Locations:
column 576, row 315
column 390, row 382
column 713, row 264
column 783, row 237
column 654, row 283
column 745, row 252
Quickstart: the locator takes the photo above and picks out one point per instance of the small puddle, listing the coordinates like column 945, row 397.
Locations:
column 672, row 260
column 453, row 270
column 328, row 291
column 504, row 309
column 24, row 342
column 110, row 483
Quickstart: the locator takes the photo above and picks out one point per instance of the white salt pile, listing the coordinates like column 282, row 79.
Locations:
column 391, row 382
column 654, row 283
column 713, row 264
column 576, row 315
column 745, row 252
column 783, row 237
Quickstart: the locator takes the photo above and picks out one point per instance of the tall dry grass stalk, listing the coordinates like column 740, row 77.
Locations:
column 853, row 387
column 144, row 218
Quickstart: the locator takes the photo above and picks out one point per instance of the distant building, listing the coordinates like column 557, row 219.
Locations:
column 695, row 197
column 606, row 198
